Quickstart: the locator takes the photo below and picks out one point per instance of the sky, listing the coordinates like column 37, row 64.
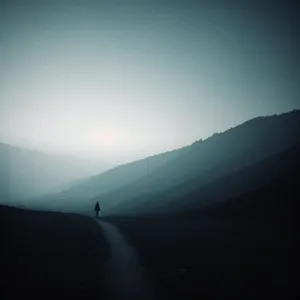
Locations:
column 121, row 80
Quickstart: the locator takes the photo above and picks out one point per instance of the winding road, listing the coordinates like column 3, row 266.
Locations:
column 126, row 275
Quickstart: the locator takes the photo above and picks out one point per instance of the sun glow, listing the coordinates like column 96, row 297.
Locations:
column 105, row 137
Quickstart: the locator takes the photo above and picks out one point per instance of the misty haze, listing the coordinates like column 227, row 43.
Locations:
column 149, row 149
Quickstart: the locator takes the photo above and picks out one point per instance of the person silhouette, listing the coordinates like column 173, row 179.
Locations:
column 97, row 209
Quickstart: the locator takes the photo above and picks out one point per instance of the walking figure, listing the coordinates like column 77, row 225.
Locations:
column 97, row 209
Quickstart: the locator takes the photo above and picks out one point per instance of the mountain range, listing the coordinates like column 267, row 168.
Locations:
column 26, row 173
column 224, row 166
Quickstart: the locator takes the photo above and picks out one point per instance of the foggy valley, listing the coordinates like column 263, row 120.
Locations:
column 149, row 149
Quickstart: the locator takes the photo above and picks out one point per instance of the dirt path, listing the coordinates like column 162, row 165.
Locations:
column 127, row 277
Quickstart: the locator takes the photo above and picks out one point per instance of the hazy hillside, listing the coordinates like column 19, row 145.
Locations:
column 189, row 168
column 75, row 197
column 27, row 173
column 180, row 200
column 213, row 158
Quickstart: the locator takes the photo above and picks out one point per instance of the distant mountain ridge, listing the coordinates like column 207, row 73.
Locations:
column 28, row 173
column 72, row 199
column 174, row 175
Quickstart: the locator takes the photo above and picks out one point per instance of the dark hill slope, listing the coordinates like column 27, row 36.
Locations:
column 180, row 199
column 206, row 161
column 242, row 248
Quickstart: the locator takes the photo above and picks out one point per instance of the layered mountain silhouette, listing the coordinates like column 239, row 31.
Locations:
column 186, row 197
column 27, row 173
column 224, row 166
column 79, row 196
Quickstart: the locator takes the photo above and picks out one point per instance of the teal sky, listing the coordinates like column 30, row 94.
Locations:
column 120, row 80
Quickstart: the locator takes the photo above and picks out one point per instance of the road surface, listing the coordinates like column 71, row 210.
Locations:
column 127, row 276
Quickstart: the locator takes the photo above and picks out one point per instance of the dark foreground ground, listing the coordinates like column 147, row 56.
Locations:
column 214, row 258
column 47, row 254
column 244, row 248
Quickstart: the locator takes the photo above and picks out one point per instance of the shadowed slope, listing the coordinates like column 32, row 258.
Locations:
column 243, row 248
column 193, row 195
column 221, row 167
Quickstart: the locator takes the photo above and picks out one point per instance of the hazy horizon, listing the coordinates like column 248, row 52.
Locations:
column 124, row 80
column 116, row 162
